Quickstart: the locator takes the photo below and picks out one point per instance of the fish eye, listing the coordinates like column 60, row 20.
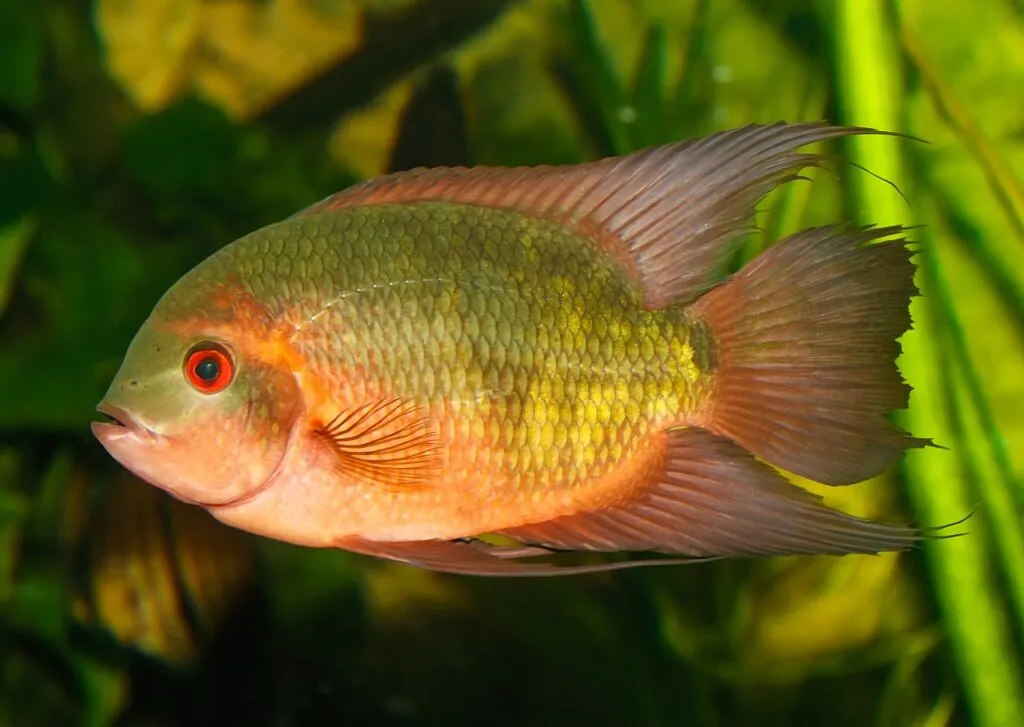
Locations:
column 209, row 367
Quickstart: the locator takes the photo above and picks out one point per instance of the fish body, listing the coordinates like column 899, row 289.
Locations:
column 541, row 353
column 531, row 361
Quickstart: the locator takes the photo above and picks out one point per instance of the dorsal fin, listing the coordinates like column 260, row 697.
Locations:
column 665, row 214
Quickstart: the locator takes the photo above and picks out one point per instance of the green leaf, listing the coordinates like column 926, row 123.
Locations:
column 649, row 90
column 13, row 509
column 949, row 403
column 25, row 183
column 87, row 289
column 692, row 98
column 14, row 239
column 979, row 215
column 592, row 82
column 20, row 54
column 187, row 149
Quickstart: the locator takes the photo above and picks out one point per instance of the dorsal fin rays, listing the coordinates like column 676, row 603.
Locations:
column 665, row 214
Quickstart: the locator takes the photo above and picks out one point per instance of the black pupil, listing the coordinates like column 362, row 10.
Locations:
column 208, row 369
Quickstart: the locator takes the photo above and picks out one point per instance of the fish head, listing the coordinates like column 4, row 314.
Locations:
column 200, row 413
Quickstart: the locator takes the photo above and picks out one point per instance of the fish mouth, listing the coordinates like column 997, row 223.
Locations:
column 121, row 424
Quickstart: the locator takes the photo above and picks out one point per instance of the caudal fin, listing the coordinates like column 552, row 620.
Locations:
column 806, row 338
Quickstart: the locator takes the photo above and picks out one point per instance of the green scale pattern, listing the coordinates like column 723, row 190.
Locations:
column 521, row 322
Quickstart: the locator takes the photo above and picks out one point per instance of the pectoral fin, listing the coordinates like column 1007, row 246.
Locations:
column 390, row 443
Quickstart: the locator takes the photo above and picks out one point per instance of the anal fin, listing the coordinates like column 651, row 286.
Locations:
column 478, row 558
column 713, row 500
column 716, row 500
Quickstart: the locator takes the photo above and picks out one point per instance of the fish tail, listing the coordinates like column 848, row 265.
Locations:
column 806, row 344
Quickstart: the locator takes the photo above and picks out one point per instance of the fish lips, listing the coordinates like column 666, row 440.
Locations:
column 123, row 424
column 129, row 441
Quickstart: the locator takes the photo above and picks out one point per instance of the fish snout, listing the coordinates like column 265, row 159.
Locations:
column 122, row 423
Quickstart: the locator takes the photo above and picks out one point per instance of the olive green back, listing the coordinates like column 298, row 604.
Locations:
column 460, row 303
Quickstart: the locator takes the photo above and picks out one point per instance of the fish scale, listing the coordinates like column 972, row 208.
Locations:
column 455, row 304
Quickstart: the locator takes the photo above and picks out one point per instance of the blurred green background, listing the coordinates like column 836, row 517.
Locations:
column 138, row 136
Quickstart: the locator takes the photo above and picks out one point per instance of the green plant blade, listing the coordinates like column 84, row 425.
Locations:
column 967, row 589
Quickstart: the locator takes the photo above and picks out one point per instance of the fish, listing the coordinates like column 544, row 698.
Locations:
column 159, row 576
column 470, row 369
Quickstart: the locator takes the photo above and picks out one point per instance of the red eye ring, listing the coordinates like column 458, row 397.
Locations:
column 209, row 368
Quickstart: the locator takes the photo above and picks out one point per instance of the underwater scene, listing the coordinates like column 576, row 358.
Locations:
column 712, row 309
